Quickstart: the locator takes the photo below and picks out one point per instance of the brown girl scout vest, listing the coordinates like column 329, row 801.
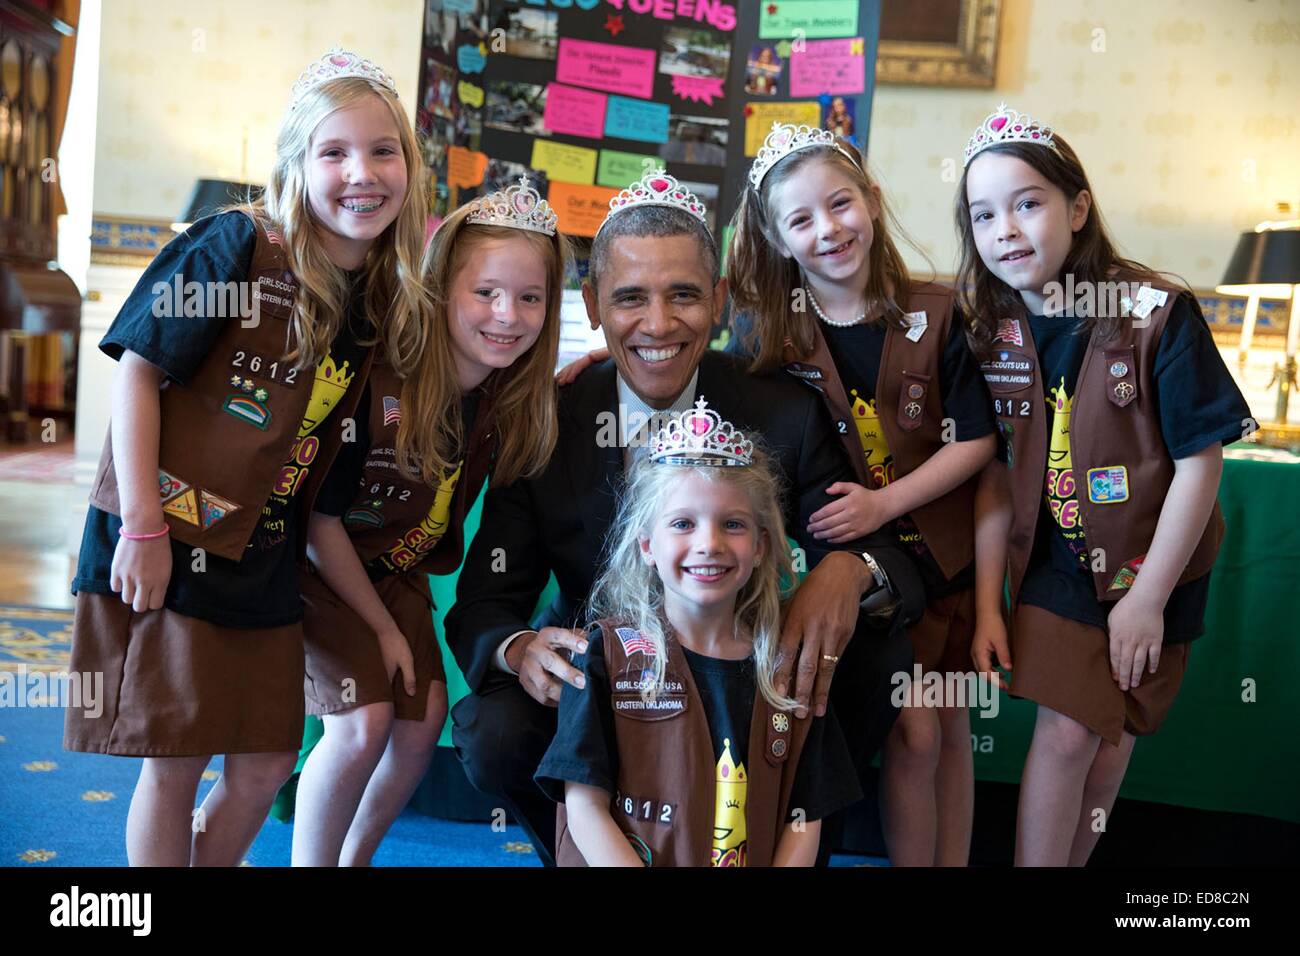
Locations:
column 398, row 523
column 667, row 772
column 1121, row 467
column 910, row 406
column 228, row 435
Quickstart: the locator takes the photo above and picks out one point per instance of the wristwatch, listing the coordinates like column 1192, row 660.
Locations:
column 879, row 599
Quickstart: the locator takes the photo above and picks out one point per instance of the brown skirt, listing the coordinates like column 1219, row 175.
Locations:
column 178, row 686
column 1065, row 665
column 941, row 640
column 344, row 667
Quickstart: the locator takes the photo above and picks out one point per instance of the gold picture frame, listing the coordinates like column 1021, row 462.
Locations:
column 969, row 61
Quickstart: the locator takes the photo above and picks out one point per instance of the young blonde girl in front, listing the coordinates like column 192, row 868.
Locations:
column 822, row 292
column 679, row 752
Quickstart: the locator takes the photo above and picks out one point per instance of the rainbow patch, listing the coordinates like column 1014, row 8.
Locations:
column 247, row 409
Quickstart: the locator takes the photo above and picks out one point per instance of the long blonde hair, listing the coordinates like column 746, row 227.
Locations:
column 629, row 589
column 762, row 281
column 394, row 297
column 523, row 396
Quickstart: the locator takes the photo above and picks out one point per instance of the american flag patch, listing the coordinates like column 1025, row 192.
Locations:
column 392, row 411
column 633, row 641
column 1009, row 332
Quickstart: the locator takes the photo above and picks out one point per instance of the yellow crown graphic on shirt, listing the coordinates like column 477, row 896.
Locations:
column 870, row 435
column 1058, row 451
column 327, row 388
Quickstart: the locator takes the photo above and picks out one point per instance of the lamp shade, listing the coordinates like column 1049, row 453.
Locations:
column 1264, row 263
column 211, row 195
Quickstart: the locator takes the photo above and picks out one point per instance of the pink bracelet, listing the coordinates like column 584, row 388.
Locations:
column 144, row 537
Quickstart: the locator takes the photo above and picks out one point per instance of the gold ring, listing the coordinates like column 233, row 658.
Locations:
column 830, row 657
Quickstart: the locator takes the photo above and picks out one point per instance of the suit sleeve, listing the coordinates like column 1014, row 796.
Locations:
column 504, row 573
column 821, row 464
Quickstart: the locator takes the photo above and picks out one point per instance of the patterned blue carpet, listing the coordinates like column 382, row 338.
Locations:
column 59, row 808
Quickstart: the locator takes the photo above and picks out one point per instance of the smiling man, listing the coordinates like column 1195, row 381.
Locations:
column 655, row 291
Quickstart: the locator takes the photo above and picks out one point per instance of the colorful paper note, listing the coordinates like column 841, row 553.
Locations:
column 465, row 167
column 640, row 120
column 459, row 6
column 563, row 163
column 574, row 111
column 470, row 58
column 699, row 89
column 618, row 169
column 760, row 117
column 809, row 18
column 829, row 66
column 580, row 209
column 470, row 94
column 606, row 66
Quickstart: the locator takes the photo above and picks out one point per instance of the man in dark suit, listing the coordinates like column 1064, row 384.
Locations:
column 654, row 289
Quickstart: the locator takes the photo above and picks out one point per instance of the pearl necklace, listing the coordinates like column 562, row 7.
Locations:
column 827, row 319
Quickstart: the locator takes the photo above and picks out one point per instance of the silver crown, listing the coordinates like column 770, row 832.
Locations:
column 701, row 437
column 656, row 189
column 335, row 64
column 786, row 138
column 1006, row 125
column 516, row 207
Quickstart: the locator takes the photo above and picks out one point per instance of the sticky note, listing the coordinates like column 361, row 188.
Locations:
column 700, row 89
column 574, row 111
column 829, row 66
column 815, row 18
column 640, row 120
column 569, row 164
column 606, row 66
column 459, row 6
column 580, row 209
column 470, row 58
column 470, row 94
column 465, row 167
column 618, row 169
column 760, row 117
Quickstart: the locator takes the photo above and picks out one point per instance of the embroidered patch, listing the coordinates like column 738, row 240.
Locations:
column 634, row 641
column 1009, row 332
column 392, row 411
column 214, row 508
column 247, row 409
column 1008, row 371
column 184, row 506
column 169, row 486
column 363, row 517
column 1126, row 575
column 641, row 848
column 1109, row 485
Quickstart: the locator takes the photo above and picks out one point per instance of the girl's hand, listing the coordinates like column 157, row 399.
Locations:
column 396, row 652
column 990, row 648
column 566, row 375
column 857, row 514
column 140, row 572
column 1137, row 630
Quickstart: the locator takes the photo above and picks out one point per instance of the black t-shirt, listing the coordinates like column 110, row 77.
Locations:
column 1198, row 404
column 261, row 589
column 856, row 351
column 585, row 748
column 347, row 475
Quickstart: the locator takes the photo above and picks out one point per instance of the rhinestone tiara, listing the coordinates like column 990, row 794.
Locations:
column 786, row 138
column 335, row 64
column 699, row 436
column 1006, row 125
column 517, row 207
column 656, row 189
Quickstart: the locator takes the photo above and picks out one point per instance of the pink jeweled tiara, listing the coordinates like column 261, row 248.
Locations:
column 656, row 189
column 335, row 64
column 700, row 437
column 784, row 139
column 1007, row 126
column 517, row 207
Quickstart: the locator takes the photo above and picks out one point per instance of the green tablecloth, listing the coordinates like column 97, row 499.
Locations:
column 1216, row 750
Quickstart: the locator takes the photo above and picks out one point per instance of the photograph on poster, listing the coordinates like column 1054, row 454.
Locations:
column 696, row 139
column 762, row 70
column 440, row 89
column 838, row 116
column 447, row 20
column 530, row 33
column 697, row 53
column 516, row 108
column 502, row 173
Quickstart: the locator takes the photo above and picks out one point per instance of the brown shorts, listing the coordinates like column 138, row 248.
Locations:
column 1065, row 665
column 178, row 686
column 344, row 666
column 941, row 640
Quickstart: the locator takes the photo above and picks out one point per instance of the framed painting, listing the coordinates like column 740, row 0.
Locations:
column 938, row 42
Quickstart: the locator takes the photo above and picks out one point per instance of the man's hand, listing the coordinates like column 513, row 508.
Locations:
column 818, row 625
column 542, row 666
